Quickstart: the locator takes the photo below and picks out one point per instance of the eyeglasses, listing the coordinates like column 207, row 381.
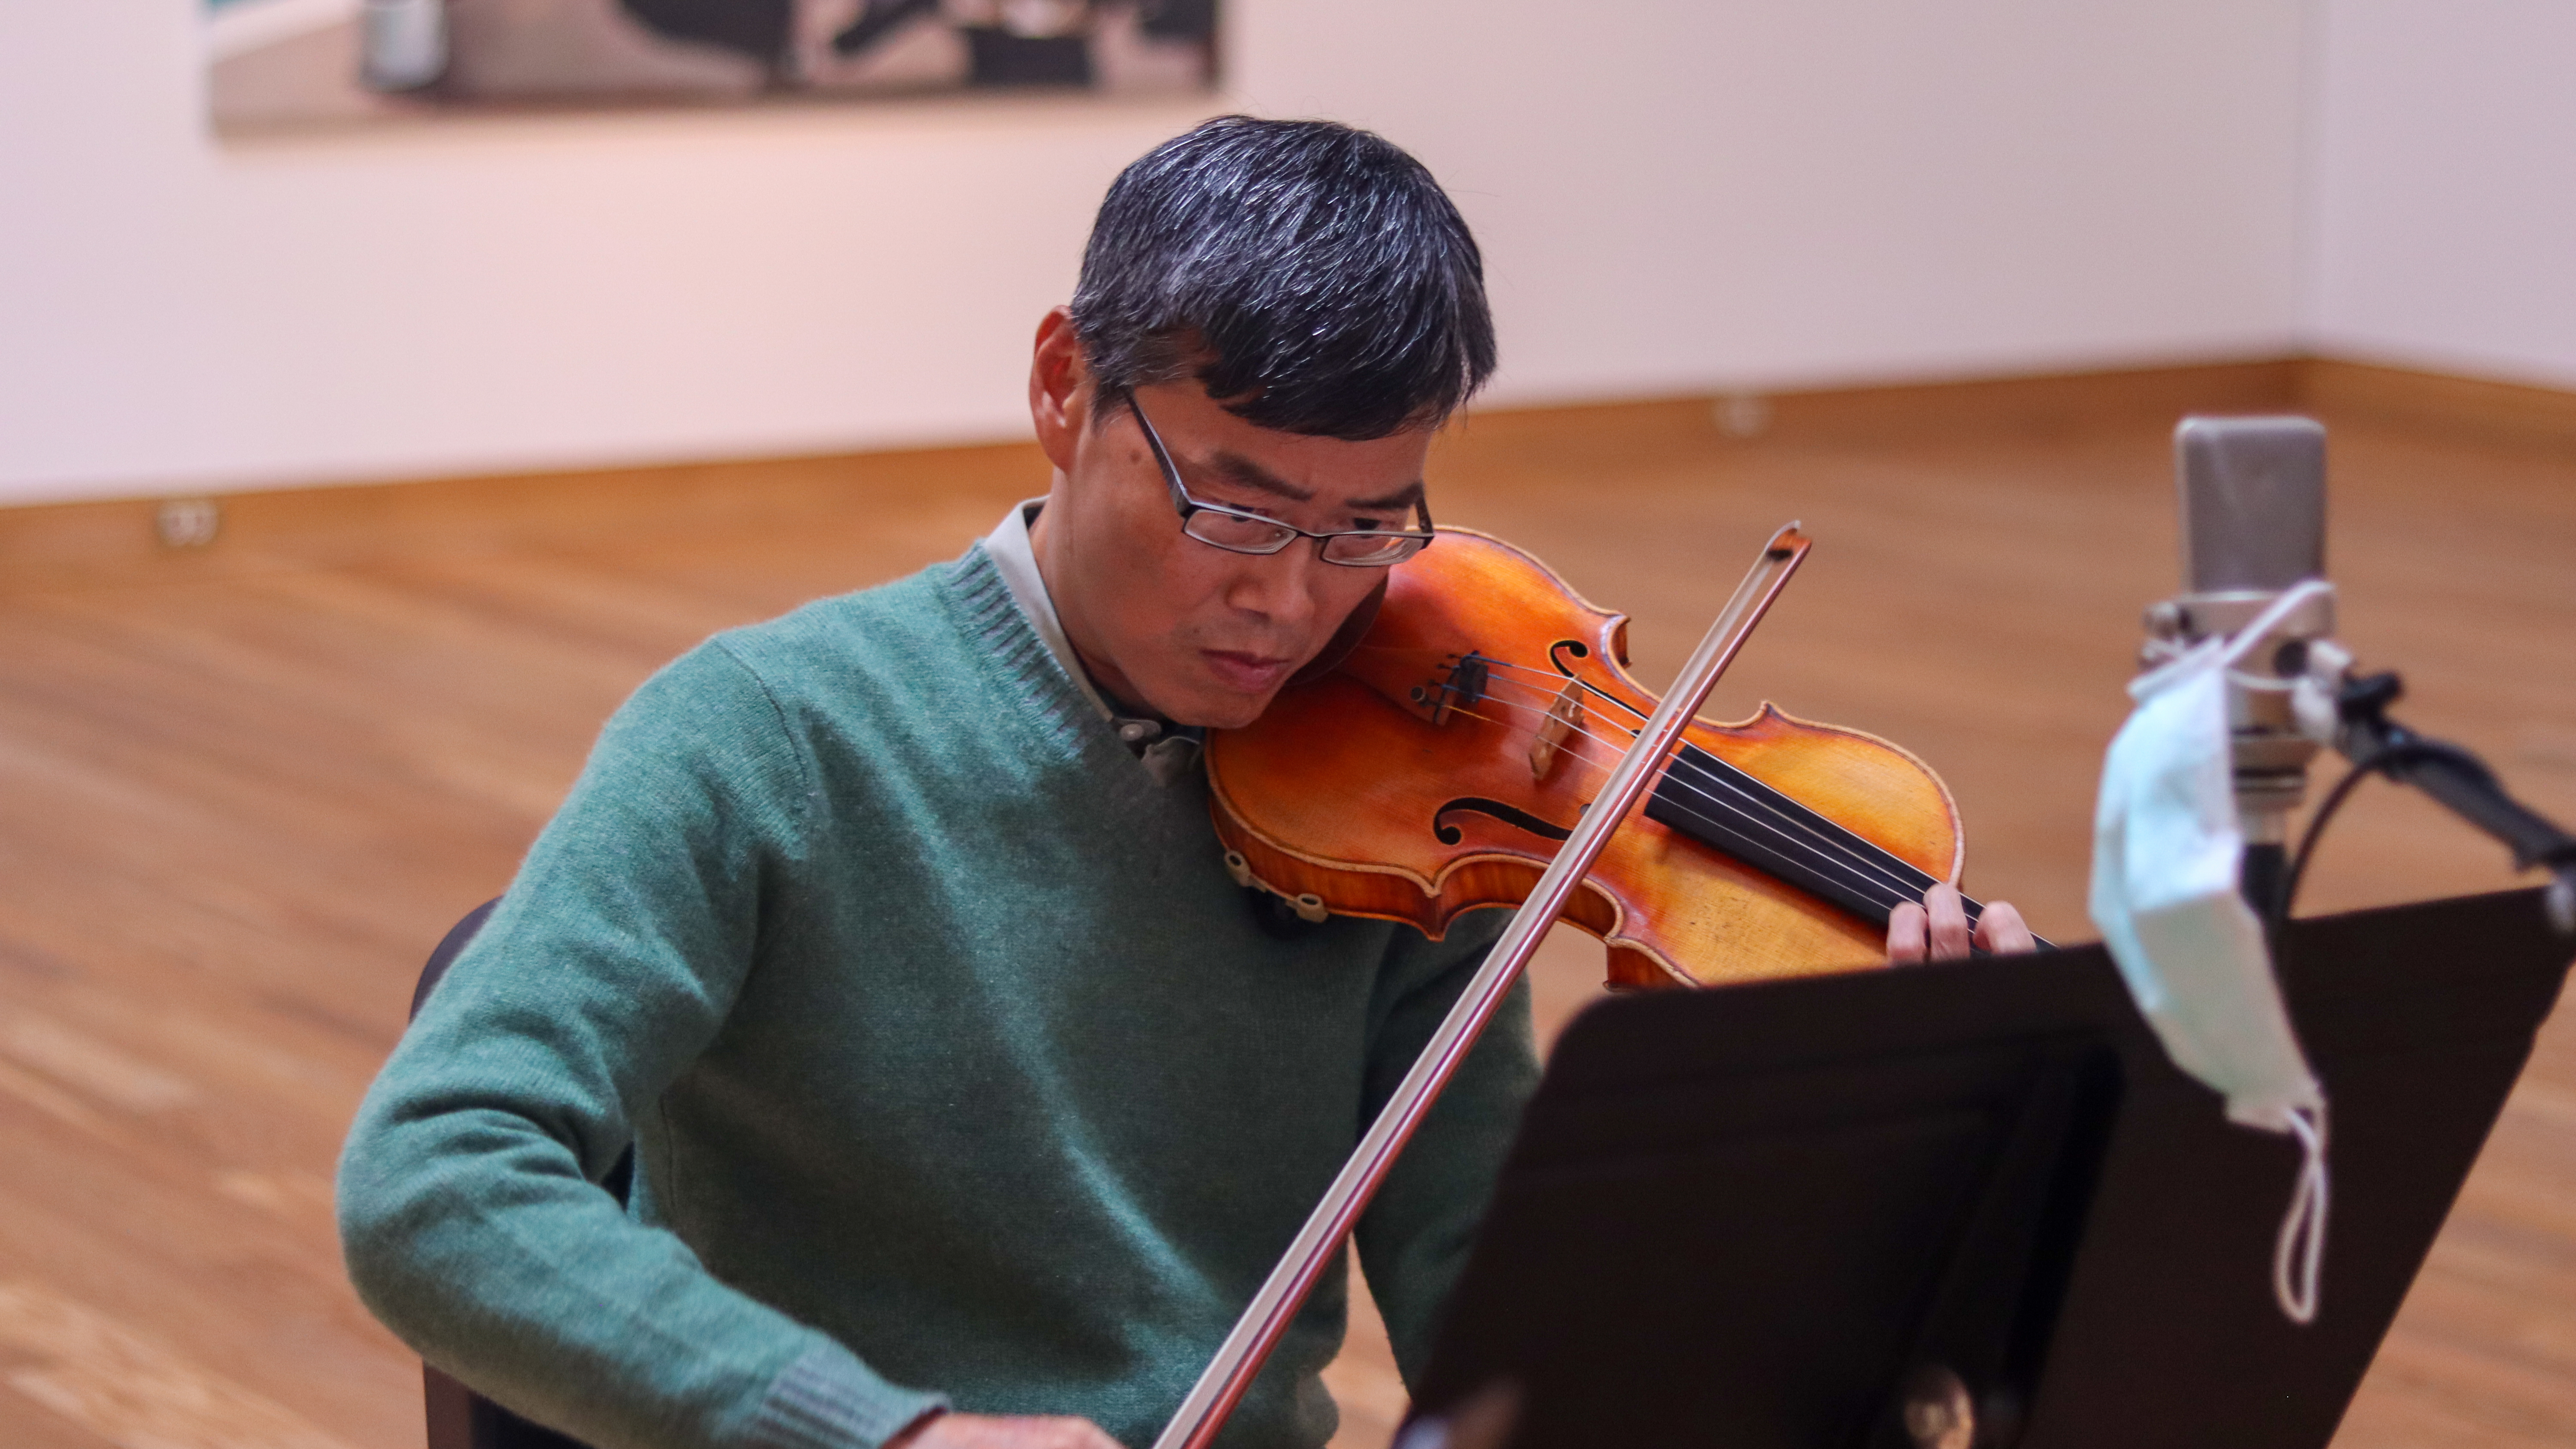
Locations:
column 1236, row 531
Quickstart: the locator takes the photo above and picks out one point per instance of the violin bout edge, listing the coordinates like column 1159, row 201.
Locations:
column 1315, row 889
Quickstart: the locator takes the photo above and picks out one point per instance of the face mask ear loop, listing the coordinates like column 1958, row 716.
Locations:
column 2230, row 648
column 2281, row 608
column 2300, row 1253
column 2298, row 1257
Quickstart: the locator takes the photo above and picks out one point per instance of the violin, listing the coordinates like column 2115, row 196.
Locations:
column 1480, row 742
column 1436, row 768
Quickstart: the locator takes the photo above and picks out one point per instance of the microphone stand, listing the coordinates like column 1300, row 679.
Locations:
column 2459, row 781
column 2294, row 694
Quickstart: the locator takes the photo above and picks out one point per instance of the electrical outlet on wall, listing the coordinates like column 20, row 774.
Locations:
column 187, row 522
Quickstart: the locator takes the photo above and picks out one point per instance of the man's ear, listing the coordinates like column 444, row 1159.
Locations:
column 1059, row 395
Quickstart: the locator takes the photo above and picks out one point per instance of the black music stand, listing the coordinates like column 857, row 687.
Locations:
column 1768, row 1217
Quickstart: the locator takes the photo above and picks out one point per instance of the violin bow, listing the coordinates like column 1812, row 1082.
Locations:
column 1248, row 1345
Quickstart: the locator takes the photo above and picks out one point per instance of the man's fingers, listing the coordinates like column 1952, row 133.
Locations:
column 1949, row 922
column 2001, row 931
column 1937, row 930
column 1905, row 934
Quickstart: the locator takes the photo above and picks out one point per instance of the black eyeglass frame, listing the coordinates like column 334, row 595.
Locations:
column 1185, row 505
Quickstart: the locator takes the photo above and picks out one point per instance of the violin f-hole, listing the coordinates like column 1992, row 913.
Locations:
column 1511, row 815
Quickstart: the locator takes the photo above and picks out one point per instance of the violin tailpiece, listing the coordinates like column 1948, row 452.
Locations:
column 1464, row 688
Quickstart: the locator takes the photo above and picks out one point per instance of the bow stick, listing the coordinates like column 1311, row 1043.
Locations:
column 1240, row 1357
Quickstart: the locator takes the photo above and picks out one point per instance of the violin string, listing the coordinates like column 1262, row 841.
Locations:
column 1741, row 800
column 1743, row 803
column 1553, row 677
column 1861, row 881
column 1727, row 795
column 1586, row 686
column 1856, row 874
column 1873, row 880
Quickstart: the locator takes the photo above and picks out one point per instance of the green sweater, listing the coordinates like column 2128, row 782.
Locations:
column 957, row 1068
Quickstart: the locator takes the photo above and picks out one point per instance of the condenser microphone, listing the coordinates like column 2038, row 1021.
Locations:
column 2253, row 503
column 2253, row 497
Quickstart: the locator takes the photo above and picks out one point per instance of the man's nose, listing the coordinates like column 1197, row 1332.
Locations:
column 1282, row 587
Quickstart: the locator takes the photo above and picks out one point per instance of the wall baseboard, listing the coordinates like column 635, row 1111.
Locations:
column 119, row 542
column 122, row 541
column 2039, row 403
column 2468, row 407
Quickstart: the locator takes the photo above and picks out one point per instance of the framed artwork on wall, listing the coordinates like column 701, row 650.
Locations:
column 285, row 62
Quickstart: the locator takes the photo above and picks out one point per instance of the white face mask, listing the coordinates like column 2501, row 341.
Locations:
column 2166, row 855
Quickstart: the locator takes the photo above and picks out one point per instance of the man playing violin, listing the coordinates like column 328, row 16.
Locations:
column 970, row 1097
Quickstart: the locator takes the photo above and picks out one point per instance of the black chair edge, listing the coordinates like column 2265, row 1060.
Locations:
column 460, row 1418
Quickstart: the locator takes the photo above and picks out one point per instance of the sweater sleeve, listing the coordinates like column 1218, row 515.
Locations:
column 1413, row 1239
column 471, row 1214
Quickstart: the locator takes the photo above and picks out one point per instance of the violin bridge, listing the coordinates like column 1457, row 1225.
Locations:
column 1561, row 720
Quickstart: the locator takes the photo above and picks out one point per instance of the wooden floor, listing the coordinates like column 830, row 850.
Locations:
column 240, row 796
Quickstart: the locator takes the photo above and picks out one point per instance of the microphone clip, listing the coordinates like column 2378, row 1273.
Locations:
column 2281, row 693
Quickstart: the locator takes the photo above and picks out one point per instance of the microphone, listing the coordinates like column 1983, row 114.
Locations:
column 2253, row 496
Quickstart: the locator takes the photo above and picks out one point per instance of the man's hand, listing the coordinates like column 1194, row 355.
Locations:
column 1937, row 930
column 983, row 1431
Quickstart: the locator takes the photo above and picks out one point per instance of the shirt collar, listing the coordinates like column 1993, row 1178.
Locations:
column 1017, row 560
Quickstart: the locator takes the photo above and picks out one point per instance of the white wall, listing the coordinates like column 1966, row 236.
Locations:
column 1784, row 192
column 1673, row 197
column 2443, row 187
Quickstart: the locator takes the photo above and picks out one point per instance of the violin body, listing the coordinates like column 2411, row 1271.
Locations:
column 1435, row 768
